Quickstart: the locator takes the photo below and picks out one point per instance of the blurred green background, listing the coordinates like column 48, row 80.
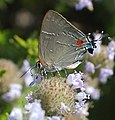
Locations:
column 20, row 23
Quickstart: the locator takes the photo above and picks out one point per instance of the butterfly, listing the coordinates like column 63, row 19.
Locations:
column 61, row 44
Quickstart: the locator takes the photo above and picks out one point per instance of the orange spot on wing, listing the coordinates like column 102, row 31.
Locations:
column 79, row 42
column 41, row 62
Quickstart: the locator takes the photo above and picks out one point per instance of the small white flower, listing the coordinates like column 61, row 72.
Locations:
column 70, row 79
column 79, row 105
column 26, row 65
column 75, row 80
column 111, row 50
column 82, row 110
column 16, row 114
column 35, row 116
column 29, row 97
column 36, row 106
column 36, row 112
column 78, row 84
column 89, row 67
column 84, row 3
column 64, row 108
column 15, row 86
column 81, row 96
column 37, row 79
column 104, row 74
column 28, row 106
column 14, row 93
column 94, row 93
column 28, row 79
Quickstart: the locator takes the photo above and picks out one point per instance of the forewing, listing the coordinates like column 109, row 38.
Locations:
column 57, row 40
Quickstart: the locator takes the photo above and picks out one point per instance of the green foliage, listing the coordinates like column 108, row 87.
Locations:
column 31, row 46
column 4, row 116
column 9, row 49
column 3, row 3
column 4, row 35
column 2, row 72
column 5, row 108
column 111, row 16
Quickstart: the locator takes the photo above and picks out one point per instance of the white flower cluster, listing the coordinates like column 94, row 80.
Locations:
column 35, row 112
column 111, row 50
column 76, row 81
column 14, row 92
column 104, row 71
column 84, row 3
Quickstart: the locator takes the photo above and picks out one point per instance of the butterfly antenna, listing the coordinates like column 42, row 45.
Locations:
column 101, row 36
column 25, row 72
column 30, row 69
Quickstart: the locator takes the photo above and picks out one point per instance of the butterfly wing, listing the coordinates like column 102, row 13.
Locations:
column 57, row 45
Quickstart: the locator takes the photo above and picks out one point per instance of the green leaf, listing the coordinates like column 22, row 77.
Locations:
column 21, row 41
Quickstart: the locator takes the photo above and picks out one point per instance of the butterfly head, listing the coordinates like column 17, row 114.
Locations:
column 91, row 45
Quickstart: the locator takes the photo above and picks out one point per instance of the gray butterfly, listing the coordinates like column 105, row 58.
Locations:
column 61, row 44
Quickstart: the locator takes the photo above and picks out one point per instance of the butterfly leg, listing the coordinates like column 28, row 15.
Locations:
column 58, row 73
column 42, row 74
column 57, row 70
column 46, row 75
